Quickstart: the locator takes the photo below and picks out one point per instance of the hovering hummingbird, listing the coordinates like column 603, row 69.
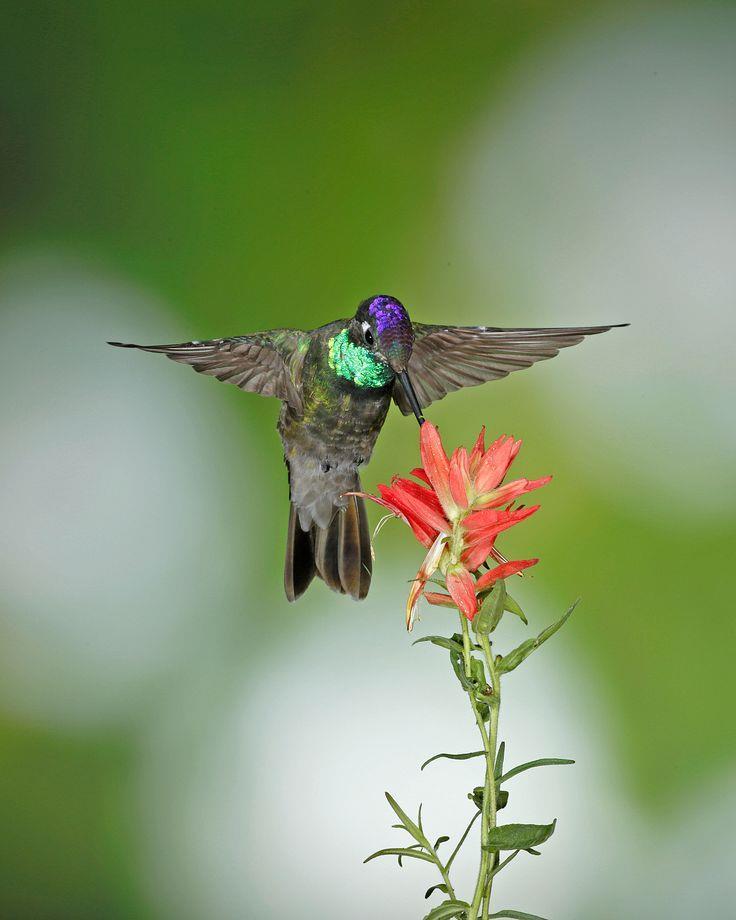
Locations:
column 336, row 384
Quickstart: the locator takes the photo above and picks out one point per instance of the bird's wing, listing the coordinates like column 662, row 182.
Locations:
column 268, row 363
column 446, row 358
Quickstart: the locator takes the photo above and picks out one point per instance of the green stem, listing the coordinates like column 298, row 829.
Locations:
column 466, row 646
column 444, row 870
column 488, row 811
column 483, row 886
column 493, row 738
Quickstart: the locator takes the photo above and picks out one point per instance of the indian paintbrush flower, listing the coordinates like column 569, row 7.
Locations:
column 457, row 506
column 457, row 509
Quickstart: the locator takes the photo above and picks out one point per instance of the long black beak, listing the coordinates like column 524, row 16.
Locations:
column 411, row 396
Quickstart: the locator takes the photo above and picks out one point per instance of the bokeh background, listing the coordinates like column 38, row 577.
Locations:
column 175, row 740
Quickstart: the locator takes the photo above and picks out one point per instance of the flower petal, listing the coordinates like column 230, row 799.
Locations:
column 479, row 448
column 477, row 552
column 436, row 466
column 426, row 570
column 504, row 570
column 423, row 535
column 410, row 511
column 421, row 500
column 438, row 599
column 510, row 491
column 420, row 474
column 495, row 464
column 492, row 521
column 460, row 486
column 461, row 586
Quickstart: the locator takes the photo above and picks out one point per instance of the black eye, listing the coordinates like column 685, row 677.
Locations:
column 368, row 336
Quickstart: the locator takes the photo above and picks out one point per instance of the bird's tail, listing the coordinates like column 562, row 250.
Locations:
column 339, row 554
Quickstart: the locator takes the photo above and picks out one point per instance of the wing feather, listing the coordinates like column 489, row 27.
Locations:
column 447, row 358
column 268, row 363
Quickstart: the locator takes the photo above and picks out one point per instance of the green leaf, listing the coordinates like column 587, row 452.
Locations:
column 516, row 915
column 452, row 757
column 491, row 611
column 518, row 836
column 414, row 846
column 458, row 666
column 400, row 851
column 430, row 891
column 440, row 840
column 478, row 672
column 514, row 658
column 476, row 797
column 551, row 630
column 410, row 826
column 542, row 762
column 442, row 641
column 446, row 910
column 511, row 605
column 498, row 767
column 502, row 799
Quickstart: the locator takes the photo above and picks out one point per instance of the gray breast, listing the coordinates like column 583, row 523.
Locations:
column 318, row 485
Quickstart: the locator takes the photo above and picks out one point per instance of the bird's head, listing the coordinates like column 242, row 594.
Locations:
column 383, row 326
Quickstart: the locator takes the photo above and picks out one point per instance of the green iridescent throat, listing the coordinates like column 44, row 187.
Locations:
column 355, row 363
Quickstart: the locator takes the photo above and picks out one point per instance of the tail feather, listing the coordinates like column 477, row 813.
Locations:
column 326, row 550
column 299, row 569
column 339, row 554
column 354, row 549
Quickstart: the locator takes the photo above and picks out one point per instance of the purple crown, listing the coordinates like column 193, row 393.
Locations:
column 388, row 313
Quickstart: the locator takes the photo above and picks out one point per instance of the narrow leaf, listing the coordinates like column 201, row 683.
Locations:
column 440, row 840
column 400, row 851
column 461, row 841
column 446, row 910
column 512, row 606
column 458, row 666
column 410, row 826
column 453, row 757
column 498, row 768
column 551, row 630
column 430, row 891
column 516, row 915
column 442, row 641
column 518, row 836
column 542, row 762
column 492, row 610
column 414, row 846
column 514, row 658
column 505, row 862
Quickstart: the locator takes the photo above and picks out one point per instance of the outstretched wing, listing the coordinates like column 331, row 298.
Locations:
column 268, row 363
column 446, row 358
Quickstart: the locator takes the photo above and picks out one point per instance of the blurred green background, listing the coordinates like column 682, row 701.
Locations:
column 175, row 740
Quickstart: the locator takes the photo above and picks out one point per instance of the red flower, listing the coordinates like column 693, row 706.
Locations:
column 455, row 511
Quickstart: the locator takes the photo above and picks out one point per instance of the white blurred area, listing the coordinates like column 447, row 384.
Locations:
column 604, row 185
column 110, row 551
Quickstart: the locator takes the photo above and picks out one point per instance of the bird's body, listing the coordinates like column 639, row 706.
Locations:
column 336, row 384
column 331, row 434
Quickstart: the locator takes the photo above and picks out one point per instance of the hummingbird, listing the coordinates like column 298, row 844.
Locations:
column 336, row 384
